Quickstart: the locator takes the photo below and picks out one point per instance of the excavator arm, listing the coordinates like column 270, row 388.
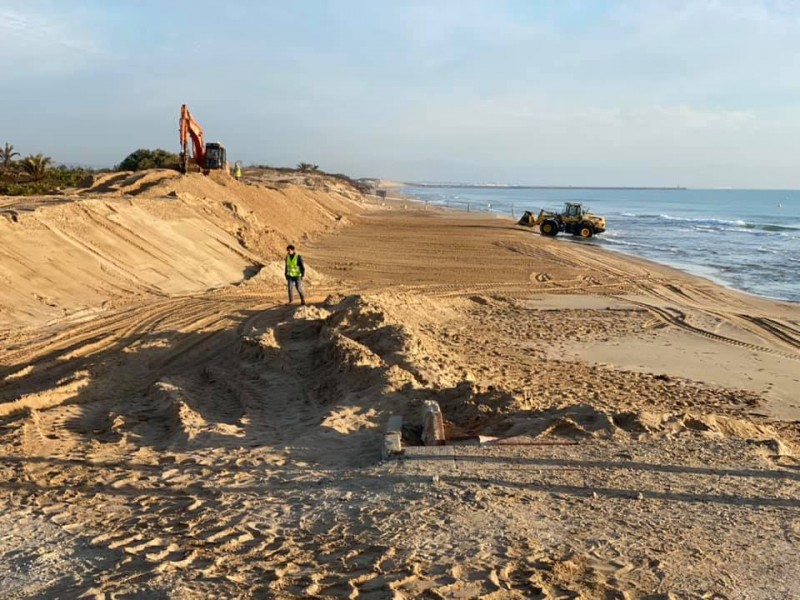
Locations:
column 190, row 129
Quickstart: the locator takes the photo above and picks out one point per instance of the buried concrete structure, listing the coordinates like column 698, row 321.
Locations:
column 432, row 431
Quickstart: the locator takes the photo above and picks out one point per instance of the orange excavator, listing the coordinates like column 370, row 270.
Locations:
column 206, row 156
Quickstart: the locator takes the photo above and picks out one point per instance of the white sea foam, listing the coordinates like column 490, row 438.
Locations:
column 706, row 220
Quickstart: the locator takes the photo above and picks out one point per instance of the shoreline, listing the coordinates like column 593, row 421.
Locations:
column 707, row 318
column 687, row 270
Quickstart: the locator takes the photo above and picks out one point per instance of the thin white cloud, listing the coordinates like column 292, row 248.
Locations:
column 37, row 44
column 635, row 84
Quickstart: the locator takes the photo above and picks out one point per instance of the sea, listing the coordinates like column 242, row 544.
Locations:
column 748, row 240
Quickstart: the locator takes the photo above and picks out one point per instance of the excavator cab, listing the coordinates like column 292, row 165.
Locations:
column 215, row 156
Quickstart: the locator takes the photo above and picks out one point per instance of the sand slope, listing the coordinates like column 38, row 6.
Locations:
column 154, row 233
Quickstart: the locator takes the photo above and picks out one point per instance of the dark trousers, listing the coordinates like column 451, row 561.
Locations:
column 298, row 283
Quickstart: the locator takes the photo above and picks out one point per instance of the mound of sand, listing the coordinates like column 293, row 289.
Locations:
column 400, row 331
column 588, row 421
column 153, row 233
column 273, row 274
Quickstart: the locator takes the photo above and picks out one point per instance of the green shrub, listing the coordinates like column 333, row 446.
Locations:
column 31, row 188
column 143, row 158
column 23, row 183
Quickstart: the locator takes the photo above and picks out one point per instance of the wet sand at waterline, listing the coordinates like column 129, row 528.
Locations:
column 171, row 428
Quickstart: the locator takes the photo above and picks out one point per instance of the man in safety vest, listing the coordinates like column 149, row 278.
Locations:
column 237, row 170
column 295, row 271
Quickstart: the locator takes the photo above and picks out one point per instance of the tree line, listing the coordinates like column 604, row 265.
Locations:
column 37, row 174
column 34, row 166
column 34, row 173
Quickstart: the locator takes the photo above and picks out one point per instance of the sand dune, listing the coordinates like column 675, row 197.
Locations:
column 148, row 234
column 189, row 442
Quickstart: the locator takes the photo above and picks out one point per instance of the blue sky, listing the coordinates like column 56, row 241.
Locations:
column 663, row 92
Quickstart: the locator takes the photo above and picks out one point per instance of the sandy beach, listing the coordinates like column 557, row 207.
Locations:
column 171, row 428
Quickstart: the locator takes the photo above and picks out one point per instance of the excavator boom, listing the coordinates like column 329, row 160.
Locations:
column 189, row 128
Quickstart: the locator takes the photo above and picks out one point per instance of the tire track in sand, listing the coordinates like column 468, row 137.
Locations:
column 679, row 321
column 49, row 364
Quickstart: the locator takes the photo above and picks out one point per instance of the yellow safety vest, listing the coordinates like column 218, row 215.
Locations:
column 291, row 266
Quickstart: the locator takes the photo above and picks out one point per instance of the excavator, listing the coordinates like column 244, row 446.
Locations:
column 207, row 156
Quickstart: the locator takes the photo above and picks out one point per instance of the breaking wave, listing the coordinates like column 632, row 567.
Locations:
column 719, row 223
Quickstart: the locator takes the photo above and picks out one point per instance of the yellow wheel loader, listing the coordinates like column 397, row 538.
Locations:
column 573, row 219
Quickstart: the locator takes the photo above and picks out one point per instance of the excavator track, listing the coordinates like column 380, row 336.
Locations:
column 788, row 335
column 680, row 322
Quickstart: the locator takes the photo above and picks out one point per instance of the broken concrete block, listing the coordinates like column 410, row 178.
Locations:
column 432, row 424
column 393, row 437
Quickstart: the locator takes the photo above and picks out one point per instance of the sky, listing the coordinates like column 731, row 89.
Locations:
column 701, row 93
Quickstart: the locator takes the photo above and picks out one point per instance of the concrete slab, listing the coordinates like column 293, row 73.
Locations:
column 430, row 452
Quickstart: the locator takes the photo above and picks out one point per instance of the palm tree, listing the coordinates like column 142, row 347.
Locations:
column 307, row 167
column 35, row 165
column 7, row 155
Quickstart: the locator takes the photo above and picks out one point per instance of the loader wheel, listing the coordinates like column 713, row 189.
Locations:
column 586, row 231
column 548, row 228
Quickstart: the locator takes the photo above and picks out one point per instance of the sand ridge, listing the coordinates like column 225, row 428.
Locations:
column 222, row 442
column 149, row 234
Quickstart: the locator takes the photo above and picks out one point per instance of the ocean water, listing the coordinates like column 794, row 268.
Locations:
column 745, row 239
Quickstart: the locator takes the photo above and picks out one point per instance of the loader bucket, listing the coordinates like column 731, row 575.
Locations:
column 527, row 219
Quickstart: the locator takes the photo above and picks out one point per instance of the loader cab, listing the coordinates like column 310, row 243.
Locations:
column 215, row 156
column 573, row 209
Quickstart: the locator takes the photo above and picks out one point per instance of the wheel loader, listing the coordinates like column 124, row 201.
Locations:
column 573, row 219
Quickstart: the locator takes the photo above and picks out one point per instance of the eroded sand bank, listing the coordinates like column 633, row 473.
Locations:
column 222, row 443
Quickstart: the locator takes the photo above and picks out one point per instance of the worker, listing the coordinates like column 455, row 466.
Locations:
column 237, row 170
column 295, row 271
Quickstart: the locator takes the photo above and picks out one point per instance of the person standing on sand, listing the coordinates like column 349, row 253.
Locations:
column 237, row 170
column 295, row 271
